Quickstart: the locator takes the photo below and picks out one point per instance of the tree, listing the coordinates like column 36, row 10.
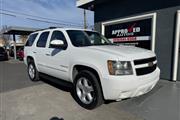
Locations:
column 23, row 38
column 5, row 38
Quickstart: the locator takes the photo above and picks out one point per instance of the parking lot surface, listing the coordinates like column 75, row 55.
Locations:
column 22, row 99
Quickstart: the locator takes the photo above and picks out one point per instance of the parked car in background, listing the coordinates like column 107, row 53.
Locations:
column 20, row 53
column 3, row 54
column 18, row 46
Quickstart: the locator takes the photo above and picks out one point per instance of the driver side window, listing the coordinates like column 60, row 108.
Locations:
column 57, row 35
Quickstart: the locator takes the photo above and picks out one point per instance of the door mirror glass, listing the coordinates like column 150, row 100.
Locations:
column 58, row 44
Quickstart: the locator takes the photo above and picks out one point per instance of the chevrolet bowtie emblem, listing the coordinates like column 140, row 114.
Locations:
column 150, row 64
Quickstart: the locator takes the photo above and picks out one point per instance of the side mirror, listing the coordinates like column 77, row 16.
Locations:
column 58, row 44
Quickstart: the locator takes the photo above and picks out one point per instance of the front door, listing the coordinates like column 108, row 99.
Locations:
column 57, row 58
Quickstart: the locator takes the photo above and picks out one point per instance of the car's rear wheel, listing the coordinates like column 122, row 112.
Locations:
column 32, row 72
column 87, row 90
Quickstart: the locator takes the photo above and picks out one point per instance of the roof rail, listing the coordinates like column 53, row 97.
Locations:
column 52, row 27
column 49, row 28
column 45, row 29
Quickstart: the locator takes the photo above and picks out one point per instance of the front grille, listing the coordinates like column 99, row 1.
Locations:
column 150, row 66
column 144, row 61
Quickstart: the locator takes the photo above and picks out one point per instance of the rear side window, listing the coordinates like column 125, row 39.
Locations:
column 42, row 39
column 31, row 39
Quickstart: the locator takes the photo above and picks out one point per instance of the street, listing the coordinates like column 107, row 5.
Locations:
column 22, row 99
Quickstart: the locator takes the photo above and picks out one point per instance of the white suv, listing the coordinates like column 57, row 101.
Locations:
column 98, row 69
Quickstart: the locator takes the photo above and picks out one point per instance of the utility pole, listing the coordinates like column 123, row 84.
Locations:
column 85, row 21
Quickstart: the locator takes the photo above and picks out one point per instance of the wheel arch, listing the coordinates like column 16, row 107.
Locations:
column 29, row 59
column 78, row 67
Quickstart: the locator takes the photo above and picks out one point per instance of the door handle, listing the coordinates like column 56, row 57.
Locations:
column 47, row 54
column 34, row 52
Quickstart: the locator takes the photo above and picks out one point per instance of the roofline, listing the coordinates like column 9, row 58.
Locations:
column 85, row 4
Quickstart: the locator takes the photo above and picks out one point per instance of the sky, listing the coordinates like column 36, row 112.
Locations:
column 42, row 13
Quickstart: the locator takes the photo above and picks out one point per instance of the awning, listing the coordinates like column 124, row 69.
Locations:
column 14, row 30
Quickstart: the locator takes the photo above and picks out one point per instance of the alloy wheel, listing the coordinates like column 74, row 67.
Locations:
column 31, row 71
column 84, row 90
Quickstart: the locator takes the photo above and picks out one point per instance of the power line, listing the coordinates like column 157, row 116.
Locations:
column 8, row 14
column 39, row 17
column 45, row 21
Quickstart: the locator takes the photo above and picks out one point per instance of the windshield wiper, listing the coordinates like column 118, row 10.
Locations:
column 106, row 44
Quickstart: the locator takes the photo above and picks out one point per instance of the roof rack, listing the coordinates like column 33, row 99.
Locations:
column 48, row 28
column 53, row 27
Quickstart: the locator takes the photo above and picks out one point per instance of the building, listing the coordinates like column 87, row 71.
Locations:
column 150, row 24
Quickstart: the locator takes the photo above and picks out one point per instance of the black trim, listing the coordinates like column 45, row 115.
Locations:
column 145, row 70
column 56, row 80
column 144, row 61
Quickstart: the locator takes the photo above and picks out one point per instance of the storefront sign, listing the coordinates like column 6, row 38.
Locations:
column 137, row 33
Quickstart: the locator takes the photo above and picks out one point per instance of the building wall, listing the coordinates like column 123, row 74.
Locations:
column 165, row 25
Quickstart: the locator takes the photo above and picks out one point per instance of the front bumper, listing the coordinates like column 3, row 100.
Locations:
column 121, row 87
column 3, row 57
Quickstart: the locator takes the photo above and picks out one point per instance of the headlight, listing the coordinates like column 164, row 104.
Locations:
column 119, row 67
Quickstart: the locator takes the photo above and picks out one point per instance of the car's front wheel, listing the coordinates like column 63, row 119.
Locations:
column 32, row 72
column 87, row 90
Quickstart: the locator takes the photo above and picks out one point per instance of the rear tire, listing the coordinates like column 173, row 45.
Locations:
column 87, row 90
column 32, row 72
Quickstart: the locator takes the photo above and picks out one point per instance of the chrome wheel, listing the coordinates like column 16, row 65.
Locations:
column 31, row 71
column 84, row 90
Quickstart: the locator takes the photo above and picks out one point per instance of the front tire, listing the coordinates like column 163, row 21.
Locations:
column 87, row 90
column 32, row 72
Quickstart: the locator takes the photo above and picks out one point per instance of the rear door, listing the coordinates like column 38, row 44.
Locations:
column 29, row 46
column 40, row 51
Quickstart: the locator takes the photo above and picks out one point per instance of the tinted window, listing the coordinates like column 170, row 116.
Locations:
column 87, row 38
column 42, row 39
column 31, row 39
column 58, row 35
column 78, row 38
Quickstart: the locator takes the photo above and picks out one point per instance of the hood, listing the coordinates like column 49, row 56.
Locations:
column 124, row 51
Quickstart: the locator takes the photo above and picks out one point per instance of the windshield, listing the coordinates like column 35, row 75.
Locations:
column 87, row 38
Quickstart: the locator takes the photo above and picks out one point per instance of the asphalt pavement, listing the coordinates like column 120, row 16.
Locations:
column 22, row 99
